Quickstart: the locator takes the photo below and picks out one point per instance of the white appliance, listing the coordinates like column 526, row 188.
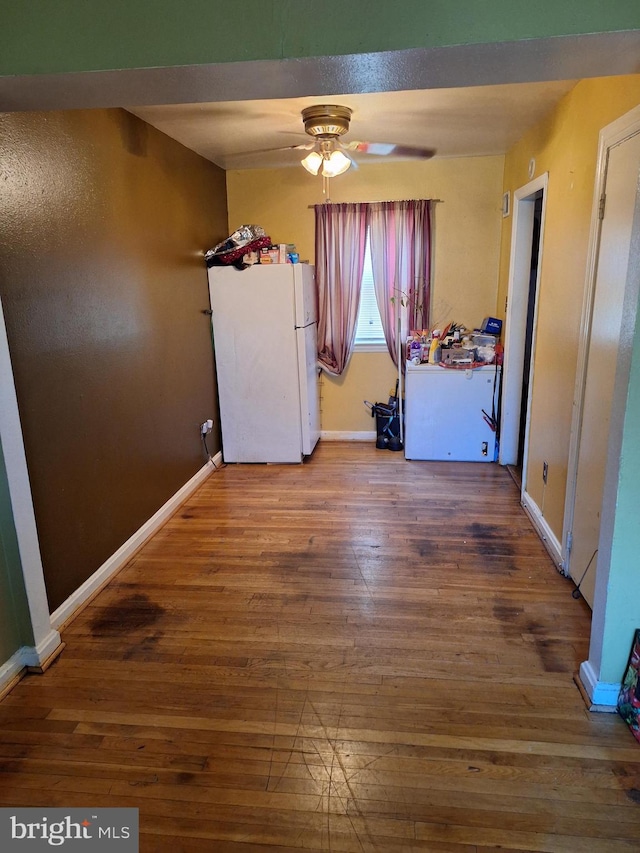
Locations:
column 443, row 413
column 265, row 341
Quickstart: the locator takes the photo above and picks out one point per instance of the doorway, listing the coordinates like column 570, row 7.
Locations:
column 528, row 336
column 521, row 316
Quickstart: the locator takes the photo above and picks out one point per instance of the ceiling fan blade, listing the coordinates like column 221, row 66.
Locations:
column 383, row 149
column 304, row 146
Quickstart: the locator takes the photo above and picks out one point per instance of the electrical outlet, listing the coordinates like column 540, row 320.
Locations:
column 485, row 448
column 206, row 426
column 545, row 471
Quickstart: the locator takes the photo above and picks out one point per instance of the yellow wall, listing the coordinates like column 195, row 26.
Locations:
column 467, row 248
column 565, row 145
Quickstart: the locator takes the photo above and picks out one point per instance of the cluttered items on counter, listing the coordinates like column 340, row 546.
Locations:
column 250, row 245
column 455, row 346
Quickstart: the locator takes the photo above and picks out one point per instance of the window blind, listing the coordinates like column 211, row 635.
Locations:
column 369, row 326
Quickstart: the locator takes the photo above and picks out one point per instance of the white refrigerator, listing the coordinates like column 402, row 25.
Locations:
column 265, row 342
column 445, row 413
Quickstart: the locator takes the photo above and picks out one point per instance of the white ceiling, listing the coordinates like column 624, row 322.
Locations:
column 456, row 122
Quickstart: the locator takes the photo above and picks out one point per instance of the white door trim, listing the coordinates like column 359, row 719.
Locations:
column 46, row 638
column 516, row 319
column 613, row 134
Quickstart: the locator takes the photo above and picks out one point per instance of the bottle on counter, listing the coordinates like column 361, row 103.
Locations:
column 435, row 350
column 415, row 351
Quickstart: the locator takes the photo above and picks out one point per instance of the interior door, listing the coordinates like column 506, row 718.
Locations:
column 621, row 183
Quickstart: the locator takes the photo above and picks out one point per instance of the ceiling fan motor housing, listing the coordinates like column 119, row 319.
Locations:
column 326, row 120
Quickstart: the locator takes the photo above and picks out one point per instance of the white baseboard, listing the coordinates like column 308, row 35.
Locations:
column 37, row 655
column 337, row 435
column 11, row 669
column 549, row 539
column 108, row 569
column 28, row 656
column 603, row 694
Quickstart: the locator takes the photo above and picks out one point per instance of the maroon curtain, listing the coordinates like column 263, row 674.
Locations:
column 400, row 243
column 341, row 231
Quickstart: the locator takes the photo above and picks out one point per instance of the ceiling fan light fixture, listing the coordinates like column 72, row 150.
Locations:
column 312, row 162
column 336, row 164
column 328, row 120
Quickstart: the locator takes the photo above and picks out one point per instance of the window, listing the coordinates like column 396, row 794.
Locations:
column 399, row 234
column 369, row 332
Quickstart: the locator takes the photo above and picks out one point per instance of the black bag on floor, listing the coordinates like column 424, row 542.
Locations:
column 387, row 424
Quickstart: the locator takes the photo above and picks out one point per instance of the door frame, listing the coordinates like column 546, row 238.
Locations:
column 516, row 320
column 46, row 639
column 613, row 134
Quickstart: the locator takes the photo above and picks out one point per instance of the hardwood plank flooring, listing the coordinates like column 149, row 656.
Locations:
column 354, row 654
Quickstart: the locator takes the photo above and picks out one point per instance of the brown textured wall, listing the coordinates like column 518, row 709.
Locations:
column 104, row 221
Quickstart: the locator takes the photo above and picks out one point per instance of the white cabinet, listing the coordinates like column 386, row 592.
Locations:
column 443, row 413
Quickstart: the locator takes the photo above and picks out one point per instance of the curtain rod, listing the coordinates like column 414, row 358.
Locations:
column 312, row 206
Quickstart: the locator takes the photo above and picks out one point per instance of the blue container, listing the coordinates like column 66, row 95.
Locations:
column 491, row 326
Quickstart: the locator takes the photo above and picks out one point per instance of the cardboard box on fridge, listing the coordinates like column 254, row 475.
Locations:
column 277, row 254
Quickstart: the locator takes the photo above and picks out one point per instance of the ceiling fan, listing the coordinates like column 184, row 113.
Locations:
column 328, row 154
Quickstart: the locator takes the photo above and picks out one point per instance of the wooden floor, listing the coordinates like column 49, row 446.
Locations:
column 355, row 654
